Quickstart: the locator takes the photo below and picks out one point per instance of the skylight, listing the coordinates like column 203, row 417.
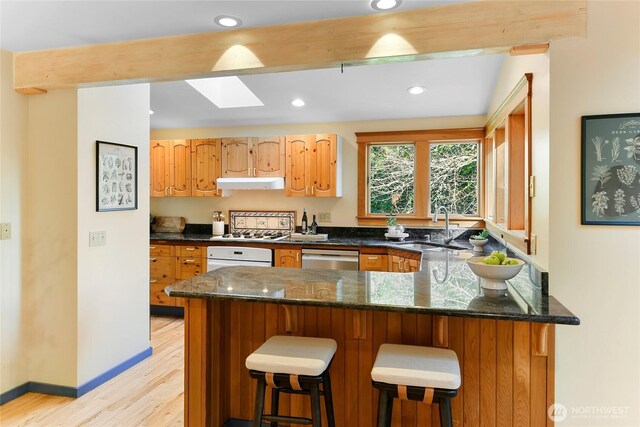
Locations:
column 226, row 92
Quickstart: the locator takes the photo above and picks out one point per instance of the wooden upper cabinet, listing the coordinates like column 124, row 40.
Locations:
column 170, row 168
column 205, row 166
column 160, row 153
column 324, row 166
column 180, row 168
column 236, row 157
column 313, row 166
column 297, row 165
column 268, row 156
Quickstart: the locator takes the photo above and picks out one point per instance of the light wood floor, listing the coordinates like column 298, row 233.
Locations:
column 148, row 394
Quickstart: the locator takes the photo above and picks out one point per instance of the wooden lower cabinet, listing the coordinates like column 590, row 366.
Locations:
column 507, row 367
column 162, row 272
column 169, row 264
column 400, row 264
column 373, row 262
column 291, row 258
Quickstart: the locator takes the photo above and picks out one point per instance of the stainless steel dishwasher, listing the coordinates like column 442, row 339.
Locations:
column 329, row 259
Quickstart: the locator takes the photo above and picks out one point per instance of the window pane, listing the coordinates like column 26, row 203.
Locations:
column 454, row 177
column 391, row 171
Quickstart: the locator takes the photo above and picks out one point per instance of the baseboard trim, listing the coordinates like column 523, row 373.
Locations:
column 113, row 372
column 14, row 393
column 235, row 422
column 66, row 391
column 167, row 310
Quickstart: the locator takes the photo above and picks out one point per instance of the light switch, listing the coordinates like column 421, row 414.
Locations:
column 5, row 231
column 97, row 238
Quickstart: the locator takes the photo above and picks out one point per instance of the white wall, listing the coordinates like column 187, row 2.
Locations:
column 343, row 210
column 113, row 293
column 594, row 269
column 13, row 174
column 51, row 257
column 513, row 69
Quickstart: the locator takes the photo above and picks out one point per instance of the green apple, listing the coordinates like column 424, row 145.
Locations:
column 510, row 261
column 491, row 260
column 500, row 255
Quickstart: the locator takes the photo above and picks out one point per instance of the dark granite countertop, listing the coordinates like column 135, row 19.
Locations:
column 445, row 286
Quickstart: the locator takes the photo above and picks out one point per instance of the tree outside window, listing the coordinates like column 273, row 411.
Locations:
column 391, row 178
column 453, row 177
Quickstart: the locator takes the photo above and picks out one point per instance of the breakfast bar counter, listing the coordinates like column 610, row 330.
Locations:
column 505, row 340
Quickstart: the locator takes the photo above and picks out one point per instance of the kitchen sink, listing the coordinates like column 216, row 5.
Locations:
column 422, row 247
column 429, row 246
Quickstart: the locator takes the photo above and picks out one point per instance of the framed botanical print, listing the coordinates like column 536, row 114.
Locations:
column 611, row 169
column 117, row 177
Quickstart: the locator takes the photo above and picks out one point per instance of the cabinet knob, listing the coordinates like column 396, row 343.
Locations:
column 190, row 249
column 152, row 281
column 153, row 259
column 189, row 261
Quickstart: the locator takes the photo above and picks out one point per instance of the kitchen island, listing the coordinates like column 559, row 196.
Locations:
column 504, row 341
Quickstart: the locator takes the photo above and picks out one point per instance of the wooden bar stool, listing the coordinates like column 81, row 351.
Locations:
column 296, row 365
column 427, row 374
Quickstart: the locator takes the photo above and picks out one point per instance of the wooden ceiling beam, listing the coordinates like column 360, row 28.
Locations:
column 461, row 29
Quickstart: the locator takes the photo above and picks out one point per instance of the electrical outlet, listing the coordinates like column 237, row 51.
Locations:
column 324, row 217
column 97, row 238
column 5, row 231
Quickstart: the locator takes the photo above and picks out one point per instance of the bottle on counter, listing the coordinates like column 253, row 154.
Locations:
column 314, row 226
column 305, row 221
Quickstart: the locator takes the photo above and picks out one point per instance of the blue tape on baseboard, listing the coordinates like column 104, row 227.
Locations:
column 113, row 372
column 66, row 391
column 14, row 393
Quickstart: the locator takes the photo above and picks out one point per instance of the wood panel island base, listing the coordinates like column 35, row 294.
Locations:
column 507, row 365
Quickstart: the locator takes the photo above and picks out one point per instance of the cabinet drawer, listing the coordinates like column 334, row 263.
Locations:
column 192, row 251
column 157, row 296
column 162, row 267
column 373, row 262
column 190, row 266
column 161, row 250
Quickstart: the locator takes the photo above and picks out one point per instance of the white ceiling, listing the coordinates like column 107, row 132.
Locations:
column 455, row 87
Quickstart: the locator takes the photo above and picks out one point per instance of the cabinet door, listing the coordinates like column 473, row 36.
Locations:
column 162, row 267
column 373, row 262
column 291, row 258
column 268, row 156
column 157, row 295
column 412, row 265
column 160, row 155
column 323, row 162
column 297, row 166
column 236, row 157
column 180, row 168
column 188, row 267
column 205, row 166
column 396, row 263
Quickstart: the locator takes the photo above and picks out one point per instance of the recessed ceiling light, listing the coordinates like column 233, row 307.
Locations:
column 151, row 112
column 227, row 21
column 297, row 102
column 385, row 4
column 416, row 90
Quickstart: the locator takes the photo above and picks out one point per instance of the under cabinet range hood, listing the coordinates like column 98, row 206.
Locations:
column 264, row 183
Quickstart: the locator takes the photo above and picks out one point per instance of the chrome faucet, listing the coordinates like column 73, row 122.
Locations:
column 447, row 232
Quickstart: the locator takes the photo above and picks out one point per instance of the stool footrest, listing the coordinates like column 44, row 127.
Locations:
column 414, row 393
column 285, row 419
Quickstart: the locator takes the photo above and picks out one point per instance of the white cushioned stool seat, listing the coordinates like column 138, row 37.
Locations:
column 417, row 366
column 293, row 355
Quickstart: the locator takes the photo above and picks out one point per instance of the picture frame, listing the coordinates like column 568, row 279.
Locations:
column 116, row 177
column 610, row 179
